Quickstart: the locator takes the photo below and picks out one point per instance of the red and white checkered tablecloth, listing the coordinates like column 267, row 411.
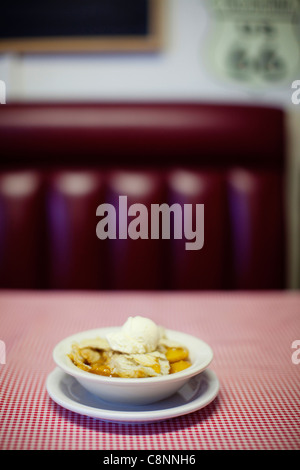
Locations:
column 258, row 405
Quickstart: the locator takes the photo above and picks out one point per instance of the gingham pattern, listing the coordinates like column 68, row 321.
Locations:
column 258, row 406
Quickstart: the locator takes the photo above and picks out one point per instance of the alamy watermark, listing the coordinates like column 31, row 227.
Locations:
column 119, row 226
column 2, row 352
column 296, row 353
column 296, row 94
column 2, row 92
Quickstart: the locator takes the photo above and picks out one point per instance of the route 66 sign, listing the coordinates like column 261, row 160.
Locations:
column 255, row 42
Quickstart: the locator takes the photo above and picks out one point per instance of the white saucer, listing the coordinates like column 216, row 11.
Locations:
column 68, row 393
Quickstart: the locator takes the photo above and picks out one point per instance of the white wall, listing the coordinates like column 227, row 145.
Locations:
column 178, row 72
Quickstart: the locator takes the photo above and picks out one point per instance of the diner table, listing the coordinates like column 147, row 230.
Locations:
column 255, row 338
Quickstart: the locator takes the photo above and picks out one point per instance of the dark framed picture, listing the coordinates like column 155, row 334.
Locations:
column 30, row 26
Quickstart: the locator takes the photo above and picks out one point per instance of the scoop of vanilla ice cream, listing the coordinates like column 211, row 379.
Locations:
column 138, row 335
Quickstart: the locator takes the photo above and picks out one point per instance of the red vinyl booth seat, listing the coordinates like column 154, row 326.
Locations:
column 59, row 162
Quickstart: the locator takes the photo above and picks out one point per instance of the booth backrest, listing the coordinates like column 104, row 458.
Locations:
column 59, row 162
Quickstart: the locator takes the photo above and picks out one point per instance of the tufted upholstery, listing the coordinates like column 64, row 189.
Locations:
column 60, row 161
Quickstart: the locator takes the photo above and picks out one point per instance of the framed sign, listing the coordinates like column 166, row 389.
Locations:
column 80, row 26
column 254, row 43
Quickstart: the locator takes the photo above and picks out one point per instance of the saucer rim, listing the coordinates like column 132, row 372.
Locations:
column 147, row 415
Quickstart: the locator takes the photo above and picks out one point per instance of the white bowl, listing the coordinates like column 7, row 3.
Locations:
column 139, row 391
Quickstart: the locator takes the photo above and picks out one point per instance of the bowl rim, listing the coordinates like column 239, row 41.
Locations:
column 63, row 362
